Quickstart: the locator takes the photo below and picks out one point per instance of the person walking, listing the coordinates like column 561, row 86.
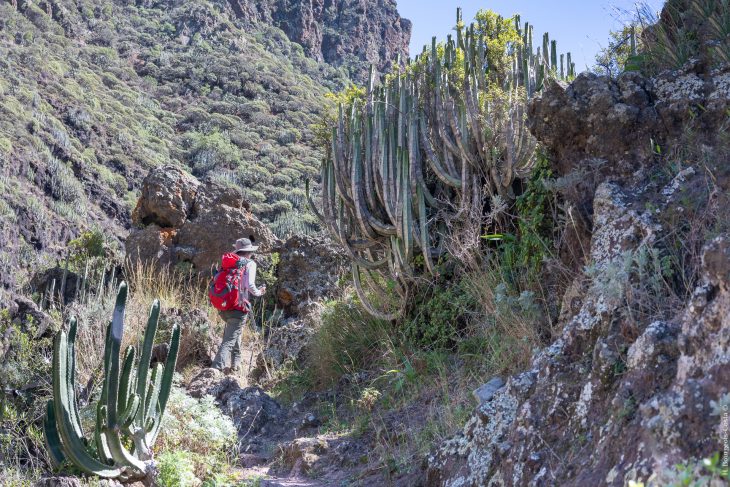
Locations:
column 229, row 293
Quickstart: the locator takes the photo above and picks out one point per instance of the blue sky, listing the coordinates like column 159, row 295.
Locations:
column 580, row 27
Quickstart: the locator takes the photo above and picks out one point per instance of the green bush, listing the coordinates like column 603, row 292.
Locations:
column 24, row 369
column 439, row 315
column 177, row 469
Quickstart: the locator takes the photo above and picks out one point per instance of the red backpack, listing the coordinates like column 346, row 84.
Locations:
column 224, row 290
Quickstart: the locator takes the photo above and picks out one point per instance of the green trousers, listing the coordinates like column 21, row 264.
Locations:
column 229, row 353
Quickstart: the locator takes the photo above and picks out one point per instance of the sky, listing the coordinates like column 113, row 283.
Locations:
column 579, row 27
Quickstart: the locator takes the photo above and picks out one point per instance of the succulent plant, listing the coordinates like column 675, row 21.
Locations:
column 130, row 410
column 425, row 146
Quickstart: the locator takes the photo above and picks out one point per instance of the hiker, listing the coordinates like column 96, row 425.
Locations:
column 229, row 292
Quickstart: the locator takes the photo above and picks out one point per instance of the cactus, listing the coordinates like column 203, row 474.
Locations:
column 414, row 156
column 129, row 411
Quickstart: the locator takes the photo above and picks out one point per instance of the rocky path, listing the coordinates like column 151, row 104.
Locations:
column 279, row 446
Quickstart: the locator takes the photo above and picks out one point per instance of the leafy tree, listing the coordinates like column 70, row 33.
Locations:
column 618, row 56
column 501, row 37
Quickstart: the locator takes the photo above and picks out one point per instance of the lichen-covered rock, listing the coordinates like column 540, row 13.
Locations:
column 151, row 244
column 197, row 225
column 624, row 121
column 300, row 455
column 643, row 393
column 286, row 342
column 23, row 311
column 59, row 481
column 253, row 411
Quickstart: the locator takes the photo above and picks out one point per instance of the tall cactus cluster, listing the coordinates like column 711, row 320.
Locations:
column 129, row 410
column 424, row 148
column 532, row 67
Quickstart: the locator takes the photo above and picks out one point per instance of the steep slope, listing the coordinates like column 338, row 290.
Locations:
column 94, row 94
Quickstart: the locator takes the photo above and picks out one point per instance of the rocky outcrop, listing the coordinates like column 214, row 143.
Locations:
column 626, row 122
column 308, row 273
column 642, row 393
column 181, row 221
column 354, row 33
column 25, row 312
column 644, row 387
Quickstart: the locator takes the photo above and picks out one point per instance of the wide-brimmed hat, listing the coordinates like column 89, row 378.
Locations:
column 244, row 245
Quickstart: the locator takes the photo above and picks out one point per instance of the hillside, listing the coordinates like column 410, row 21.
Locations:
column 95, row 94
column 520, row 274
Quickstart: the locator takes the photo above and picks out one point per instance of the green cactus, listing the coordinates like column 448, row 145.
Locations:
column 129, row 410
column 413, row 157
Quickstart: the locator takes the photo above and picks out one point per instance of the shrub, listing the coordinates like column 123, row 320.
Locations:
column 177, row 469
column 23, row 374
column 197, row 437
column 439, row 314
column 196, row 425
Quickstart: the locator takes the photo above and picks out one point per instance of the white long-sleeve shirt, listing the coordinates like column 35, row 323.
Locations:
column 248, row 284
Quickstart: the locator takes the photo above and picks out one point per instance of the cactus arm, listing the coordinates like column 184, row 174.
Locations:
column 71, row 378
column 433, row 160
column 407, row 217
column 416, row 165
column 310, row 202
column 102, row 445
column 166, row 385
column 145, row 357
column 115, row 343
column 366, row 301
column 74, row 448
column 423, row 222
column 51, row 437
column 368, row 223
column 153, row 393
column 126, row 385
column 130, row 411
column 113, row 427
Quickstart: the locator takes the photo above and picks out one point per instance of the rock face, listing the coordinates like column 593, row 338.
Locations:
column 641, row 393
column 644, row 387
column 309, row 268
column 355, row 33
column 182, row 221
column 625, row 121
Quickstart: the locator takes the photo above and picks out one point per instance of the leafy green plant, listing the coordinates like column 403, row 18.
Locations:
column 439, row 316
column 177, row 469
column 23, row 372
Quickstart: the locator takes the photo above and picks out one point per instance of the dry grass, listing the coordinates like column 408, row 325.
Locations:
column 146, row 283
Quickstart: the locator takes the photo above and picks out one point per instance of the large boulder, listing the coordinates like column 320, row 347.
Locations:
column 167, row 198
column 181, row 221
column 308, row 272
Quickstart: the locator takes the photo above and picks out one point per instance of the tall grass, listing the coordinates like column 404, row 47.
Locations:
column 147, row 282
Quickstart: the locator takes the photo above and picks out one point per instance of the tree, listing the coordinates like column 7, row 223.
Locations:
column 622, row 47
